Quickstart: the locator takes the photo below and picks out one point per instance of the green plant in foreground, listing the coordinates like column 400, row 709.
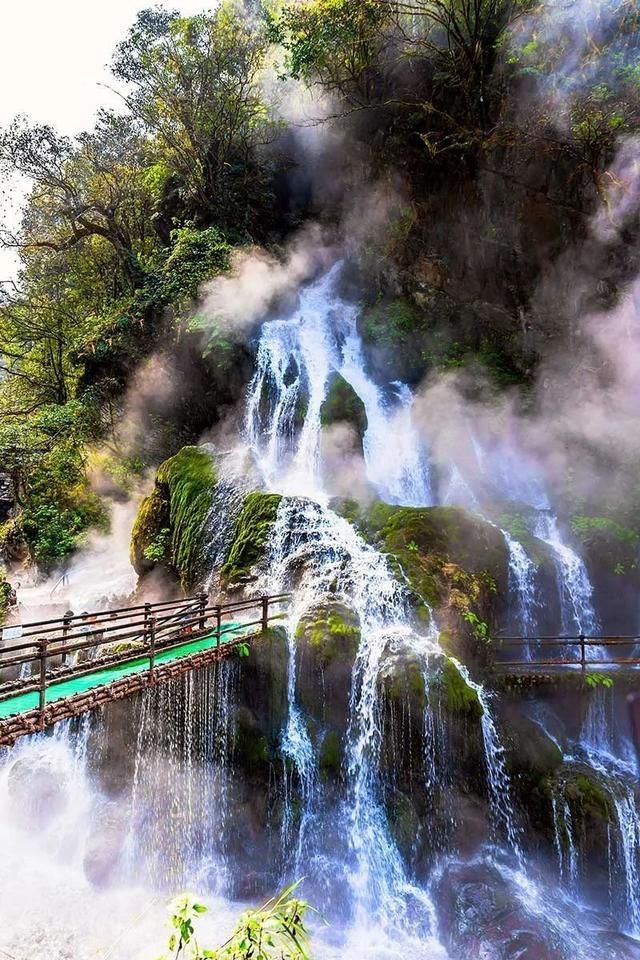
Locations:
column 275, row 931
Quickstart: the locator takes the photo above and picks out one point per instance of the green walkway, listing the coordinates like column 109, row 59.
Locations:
column 23, row 702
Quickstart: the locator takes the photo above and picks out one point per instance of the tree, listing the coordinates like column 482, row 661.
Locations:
column 90, row 187
column 193, row 83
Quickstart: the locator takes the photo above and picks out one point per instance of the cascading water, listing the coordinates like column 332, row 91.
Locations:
column 610, row 754
column 499, row 786
column 296, row 357
column 564, row 840
column 179, row 808
column 182, row 769
column 338, row 563
column 575, row 588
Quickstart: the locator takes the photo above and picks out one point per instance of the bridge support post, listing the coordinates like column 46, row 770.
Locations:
column 43, row 675
column 265, row 614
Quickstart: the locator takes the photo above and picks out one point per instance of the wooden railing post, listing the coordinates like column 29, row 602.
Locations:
column 147, row 620
column 66, row 623
column 152, row 644
column 218, row 625
column 583, row 658
column 43, row 674
column 265, row 614
column 203, row 612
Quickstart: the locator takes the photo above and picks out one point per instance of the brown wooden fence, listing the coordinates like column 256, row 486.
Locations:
column 574, row 651
column 36, row 655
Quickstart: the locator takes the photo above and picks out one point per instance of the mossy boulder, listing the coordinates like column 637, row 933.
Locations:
column 250, row 537
column 456, row 696
column 454, row 561
column 332, row 631
column 343, row 405
column 327, row 639
column 170, row 529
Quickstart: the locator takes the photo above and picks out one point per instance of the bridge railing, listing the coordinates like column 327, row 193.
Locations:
column 576, row 651
column 50, row 651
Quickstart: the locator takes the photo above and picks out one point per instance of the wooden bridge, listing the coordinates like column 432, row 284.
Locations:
column 540, row 655
column 51, row 670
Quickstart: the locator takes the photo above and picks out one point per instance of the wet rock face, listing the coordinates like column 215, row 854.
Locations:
column 482, row 920
column 327, row 638
column 37, row 790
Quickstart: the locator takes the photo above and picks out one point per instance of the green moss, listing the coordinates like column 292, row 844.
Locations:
column 251, row 532
column 447, row 554
column 607, row 543
column 170, row 527
column 332, row 631
column 407, row 680
column 387, row 324
column 594, row 800
column 331, row 754
column 457, row 696
column 342, row 404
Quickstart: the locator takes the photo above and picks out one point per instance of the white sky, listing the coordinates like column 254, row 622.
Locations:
column 53, row 58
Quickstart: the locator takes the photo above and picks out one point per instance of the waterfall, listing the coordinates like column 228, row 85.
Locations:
column 179, row 806
column 296, row 357
column 498, row 780
column 522, row 569
column 338, row 563
column 601, row 744
column 564, row 840
column 575, row 588
column 297, row 747
column 522, row 582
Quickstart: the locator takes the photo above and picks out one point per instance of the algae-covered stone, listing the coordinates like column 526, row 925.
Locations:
column 327, row 638
column 456, row 695
column 332, row 630
column 343, row 405
column 170, row 529
column 250, row 535
column 453, row 560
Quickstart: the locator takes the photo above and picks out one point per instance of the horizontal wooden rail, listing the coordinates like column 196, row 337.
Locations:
column 581, row 644
column 51, row 653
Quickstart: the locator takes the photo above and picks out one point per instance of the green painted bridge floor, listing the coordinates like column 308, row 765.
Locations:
column 23, row 702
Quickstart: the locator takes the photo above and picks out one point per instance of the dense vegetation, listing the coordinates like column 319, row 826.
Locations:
column 490, row 127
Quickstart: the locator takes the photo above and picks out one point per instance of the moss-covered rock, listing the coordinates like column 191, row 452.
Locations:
column 250, row 536
column 332, row 631
column 170, row 528
column 454, row 560
column 327, row 639
column 331, row 754
column 456, row 695
column 343, row 405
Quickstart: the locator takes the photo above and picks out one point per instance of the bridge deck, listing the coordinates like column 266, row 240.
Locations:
column 22, row 702
column 62, row 668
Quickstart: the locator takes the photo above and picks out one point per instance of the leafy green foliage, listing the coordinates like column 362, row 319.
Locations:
column 594, row 680
column 275, row 931
column 193, row 83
